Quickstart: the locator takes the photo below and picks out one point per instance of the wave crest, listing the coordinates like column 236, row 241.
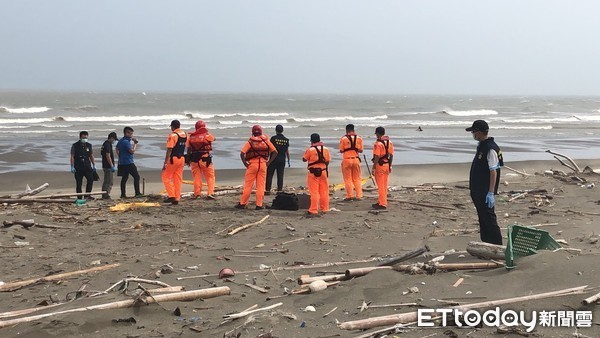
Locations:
column 26, row 110
column 478, row 112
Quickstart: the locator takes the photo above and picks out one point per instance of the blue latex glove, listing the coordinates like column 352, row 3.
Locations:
column 113, row 169
column 94, row 168
column 72, row 169
column 489, row 200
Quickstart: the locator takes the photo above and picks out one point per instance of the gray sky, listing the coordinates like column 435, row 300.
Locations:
column 337, row 46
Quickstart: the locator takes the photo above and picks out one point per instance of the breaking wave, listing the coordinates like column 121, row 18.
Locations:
column 479, row 112
column 27, row 110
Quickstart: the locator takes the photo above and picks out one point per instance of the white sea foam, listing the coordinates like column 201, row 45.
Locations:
column 25, row 121
column 339, row 118
column 200, row 115
column 479, row 112
column 27, row 110
column 124, row 118
column 523, row 127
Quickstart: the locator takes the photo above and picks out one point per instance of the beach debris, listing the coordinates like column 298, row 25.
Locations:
column 257, row 288
column 427, row 205
column 413, row 289
column 34, row 200
column 246, row 226
column 424, row 268
column 290, row 228
column 409, row 255
column 132, row 206
column 458, row 282
column 317, row 286
column 21, row 243
column 123, row 284
column 72, row 194
column 249, row 312
column 486, row 250
column 591, row 300
column 307, row 279
column 522, row 173
column 130, row 320
column 28, row 223
column 172, row 297
column 30, row 192
column 309, row 308
column 411, row 317
column 368, row 305
column 573, row 166
column 225, row 273
column 12, row 286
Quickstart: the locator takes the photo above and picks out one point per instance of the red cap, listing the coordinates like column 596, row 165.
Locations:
column 256, row 130
column 200, row 124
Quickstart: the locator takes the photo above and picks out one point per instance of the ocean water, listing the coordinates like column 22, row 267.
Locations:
column 42, row 126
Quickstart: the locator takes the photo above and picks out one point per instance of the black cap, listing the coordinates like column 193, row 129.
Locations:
column 314, row 138
column 479, row 125
column 279, row 128
column 175, row 124
column 380, row 131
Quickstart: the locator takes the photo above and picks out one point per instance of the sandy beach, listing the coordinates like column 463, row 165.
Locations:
column 187, row 240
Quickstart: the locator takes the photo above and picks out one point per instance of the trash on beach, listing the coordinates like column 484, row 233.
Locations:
column 131, row 206
column 524, row 241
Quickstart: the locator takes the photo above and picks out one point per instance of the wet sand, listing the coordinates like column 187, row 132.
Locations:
column 184, row 237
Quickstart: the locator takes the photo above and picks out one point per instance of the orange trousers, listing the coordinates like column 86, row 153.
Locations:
column 199, row 170
column 172, row 177
column 318, row 188
column 352, row 179
column 382, row 172
column 256, row 173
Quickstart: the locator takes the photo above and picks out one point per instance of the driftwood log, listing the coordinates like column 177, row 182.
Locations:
column 350, row 273
column 72, row 194
column 173, row 297
column 409, row 255
column 573, row 165
column 410, row 317
column 249, row 312
column 591, row 300
column 28, row 223
column 35, row 200
column 486, row 250
column 11, row 286
column 29, row 192
column 246, row 226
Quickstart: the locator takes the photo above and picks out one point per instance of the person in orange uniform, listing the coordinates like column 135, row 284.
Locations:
column 383, row 155
column 257, row 154
column 172, row 172
column 351, row 145
column 199, row 145
column 318, row 158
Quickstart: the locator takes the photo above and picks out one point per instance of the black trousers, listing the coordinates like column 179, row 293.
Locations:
column 488, row 225
column 89, row 181
column 280, row 167
column 126, row 170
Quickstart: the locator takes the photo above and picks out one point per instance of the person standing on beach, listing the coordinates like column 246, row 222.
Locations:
column 199, row 145
column 282, row 145
column 83, row 164
column 351, row 145
column 318, row 158
column 108, row 164
column 172, row 171
column 126, row 148
column 383, row 156
column 483, row 181
column 257, row 154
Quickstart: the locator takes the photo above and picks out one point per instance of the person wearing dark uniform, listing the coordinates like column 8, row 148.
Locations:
column 282, row 145
column 126, row 148
column 108, row 164
column 484, row 180
column 83, row 164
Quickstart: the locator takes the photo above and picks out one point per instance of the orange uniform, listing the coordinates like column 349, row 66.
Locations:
column 257, row 150
column 199, row 144
column 318, row 158
column 383, row 148
column 172, row 175
column 351, row 145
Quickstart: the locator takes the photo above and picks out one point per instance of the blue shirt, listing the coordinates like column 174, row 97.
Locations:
column 124, row 146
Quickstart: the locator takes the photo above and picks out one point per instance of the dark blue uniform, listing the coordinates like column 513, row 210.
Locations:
column 282, row 144
column 479, row 185
column 83, row 166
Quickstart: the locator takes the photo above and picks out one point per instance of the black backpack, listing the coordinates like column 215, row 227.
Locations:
column 285, row 201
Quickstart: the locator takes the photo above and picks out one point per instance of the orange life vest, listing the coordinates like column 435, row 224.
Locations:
column 258, row 148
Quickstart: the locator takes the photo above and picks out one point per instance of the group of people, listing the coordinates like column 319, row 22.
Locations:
column 262, row 156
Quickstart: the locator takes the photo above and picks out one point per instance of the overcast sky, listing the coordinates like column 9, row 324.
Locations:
column 338, row 46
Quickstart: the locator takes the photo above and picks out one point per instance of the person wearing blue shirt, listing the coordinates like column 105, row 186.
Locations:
column 126, row 148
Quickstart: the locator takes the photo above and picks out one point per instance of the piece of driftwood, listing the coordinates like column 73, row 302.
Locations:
column 172, row 297
column 28, row 223
column 126, row 281
column 573, row 165
column 417, row 268
column 318, row 285
column 11, row 286
column 166, row 290
column 72, row 194
column 249, row 312
column 365, row 306
column 427, row 205
column 306, row 279
column 34, row 200
column 287, row 268
column 522, row 173
column 486, row 250
column 409, row 317
column 17, row 313
column 246, row 226
column 29, row 192
column 591, row 300
column 257, row 288
column 409, row 255
column 262, row 251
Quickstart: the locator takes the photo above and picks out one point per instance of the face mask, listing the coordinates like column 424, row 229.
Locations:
column 84, row 140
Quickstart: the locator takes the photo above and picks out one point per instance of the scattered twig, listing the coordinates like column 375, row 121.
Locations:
column 246, row 226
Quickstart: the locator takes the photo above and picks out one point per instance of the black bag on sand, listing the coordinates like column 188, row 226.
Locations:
column 285, row 201
column 303, row 201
